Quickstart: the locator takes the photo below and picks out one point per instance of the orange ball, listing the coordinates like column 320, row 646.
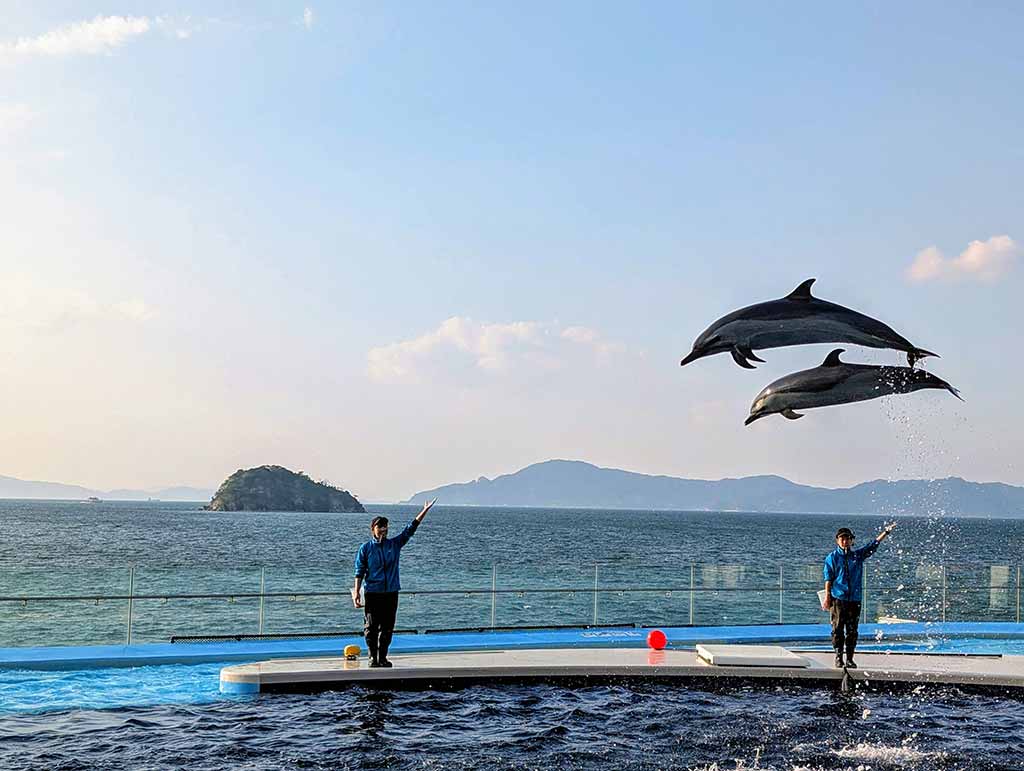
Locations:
column 656, row 639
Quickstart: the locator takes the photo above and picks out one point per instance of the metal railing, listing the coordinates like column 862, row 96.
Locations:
column 801, row 596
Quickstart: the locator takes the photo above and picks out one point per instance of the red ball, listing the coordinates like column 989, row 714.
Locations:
column 656, row 639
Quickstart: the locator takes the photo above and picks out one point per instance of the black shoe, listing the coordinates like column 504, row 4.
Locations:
column 850, row 663
column 385, row 663
column 374, row 663
column 839, row 660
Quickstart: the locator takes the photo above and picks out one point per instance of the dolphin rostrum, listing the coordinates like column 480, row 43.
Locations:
column 796, row 319
column 836, row 382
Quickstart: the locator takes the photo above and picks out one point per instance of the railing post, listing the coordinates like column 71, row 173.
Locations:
column 131, row 597
column 780, row 594
column 595, row 594
column 262, row 592
column 693, row 571
column 494, row 594
column 1018, row 594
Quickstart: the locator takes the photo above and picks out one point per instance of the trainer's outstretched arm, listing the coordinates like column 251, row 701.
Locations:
column 424, row 510
column 885, row 532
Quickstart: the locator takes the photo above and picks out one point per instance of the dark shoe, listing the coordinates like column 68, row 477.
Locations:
column 385, row 663
column 374, row 664
column 850, row 663
column 839, row 660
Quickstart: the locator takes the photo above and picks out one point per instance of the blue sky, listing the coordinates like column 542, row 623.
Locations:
column 399, row 245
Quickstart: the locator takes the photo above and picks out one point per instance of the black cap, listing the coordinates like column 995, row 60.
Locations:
column 844, row 531
column 378, row 521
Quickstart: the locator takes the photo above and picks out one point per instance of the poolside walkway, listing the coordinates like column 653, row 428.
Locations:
column 85, row 657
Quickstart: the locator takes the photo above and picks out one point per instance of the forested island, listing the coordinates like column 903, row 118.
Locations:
column 275, row 488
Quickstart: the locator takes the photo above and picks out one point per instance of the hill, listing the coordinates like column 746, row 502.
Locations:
column 275, row 488
column 21, row 488
column 575, row 484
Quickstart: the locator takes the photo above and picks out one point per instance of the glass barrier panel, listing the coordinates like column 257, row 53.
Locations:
column 158, row 614
column 159, row 620
column 74, row 622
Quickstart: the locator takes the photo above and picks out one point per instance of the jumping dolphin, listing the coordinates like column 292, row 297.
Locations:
column 796, row 319
column 836, row 382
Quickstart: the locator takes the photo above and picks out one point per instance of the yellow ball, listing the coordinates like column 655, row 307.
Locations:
column 352, row 652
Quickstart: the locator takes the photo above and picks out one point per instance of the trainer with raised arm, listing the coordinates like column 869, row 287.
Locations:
column 844, row 578
column 377, row 575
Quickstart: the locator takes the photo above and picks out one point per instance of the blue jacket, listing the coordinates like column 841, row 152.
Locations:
column 846, row 571
column 377, row 561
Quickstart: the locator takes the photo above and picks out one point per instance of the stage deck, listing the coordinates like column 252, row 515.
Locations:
column 428, row 670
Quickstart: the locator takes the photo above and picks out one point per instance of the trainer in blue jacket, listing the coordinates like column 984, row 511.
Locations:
column 377, row 574
column 844, row 578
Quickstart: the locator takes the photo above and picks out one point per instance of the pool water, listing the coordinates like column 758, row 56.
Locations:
column 175, row 716
column 640, row 727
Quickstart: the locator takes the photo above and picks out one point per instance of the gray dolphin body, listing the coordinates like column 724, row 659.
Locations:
column 796, row 319
column 836, row 382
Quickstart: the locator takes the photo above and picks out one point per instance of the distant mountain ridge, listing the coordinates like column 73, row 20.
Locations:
column 576, row 484
column 21, row 488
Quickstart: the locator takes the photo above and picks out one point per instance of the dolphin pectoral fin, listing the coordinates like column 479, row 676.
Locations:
column 790, row 415
column 746, row 353
column 802, row 292
column 739, row 358
column 916, row 354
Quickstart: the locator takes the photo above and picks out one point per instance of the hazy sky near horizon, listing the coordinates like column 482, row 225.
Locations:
column 399, row 245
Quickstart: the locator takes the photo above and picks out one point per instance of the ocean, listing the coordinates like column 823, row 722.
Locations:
column 648, row 566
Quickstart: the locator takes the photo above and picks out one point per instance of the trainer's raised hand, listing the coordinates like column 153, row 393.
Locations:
column 425, row 509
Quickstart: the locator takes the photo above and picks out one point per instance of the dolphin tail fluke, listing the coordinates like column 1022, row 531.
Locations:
column 739, row 358
column 914, row 355
column 790, row 415
column 955, row 392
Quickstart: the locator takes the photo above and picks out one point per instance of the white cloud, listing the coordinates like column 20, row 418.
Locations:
column 14, row 118
column 308, row 17
column 981, row 260
column 99, row 36
column 461, row 349
column 135, row 310
column 29, row 305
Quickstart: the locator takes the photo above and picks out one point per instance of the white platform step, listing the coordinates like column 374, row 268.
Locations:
column 750, row 656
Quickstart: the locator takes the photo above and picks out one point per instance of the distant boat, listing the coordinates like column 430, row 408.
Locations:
column 93, row 499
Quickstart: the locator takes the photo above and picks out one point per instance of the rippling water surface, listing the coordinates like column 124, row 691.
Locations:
column 535, row 727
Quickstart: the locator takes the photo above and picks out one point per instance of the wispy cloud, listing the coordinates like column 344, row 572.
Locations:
column 308, row 17
column 981, row 260
column 14, row 118
column 99, row 36
column 26, row 304
column 461, row 348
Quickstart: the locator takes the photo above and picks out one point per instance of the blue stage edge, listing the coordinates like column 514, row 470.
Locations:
column 95, row 656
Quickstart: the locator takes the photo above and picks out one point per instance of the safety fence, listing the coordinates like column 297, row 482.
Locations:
column 139, row 604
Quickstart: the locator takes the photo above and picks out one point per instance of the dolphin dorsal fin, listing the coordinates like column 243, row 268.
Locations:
column 832, row 360
column 802, row 292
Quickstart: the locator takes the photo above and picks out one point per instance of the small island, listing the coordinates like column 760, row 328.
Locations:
column 275, row 488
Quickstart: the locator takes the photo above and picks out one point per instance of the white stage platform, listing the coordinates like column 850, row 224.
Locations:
column 425, row 670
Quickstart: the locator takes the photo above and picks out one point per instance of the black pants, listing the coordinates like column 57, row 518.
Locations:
column 845, row 620
column 379, row 613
